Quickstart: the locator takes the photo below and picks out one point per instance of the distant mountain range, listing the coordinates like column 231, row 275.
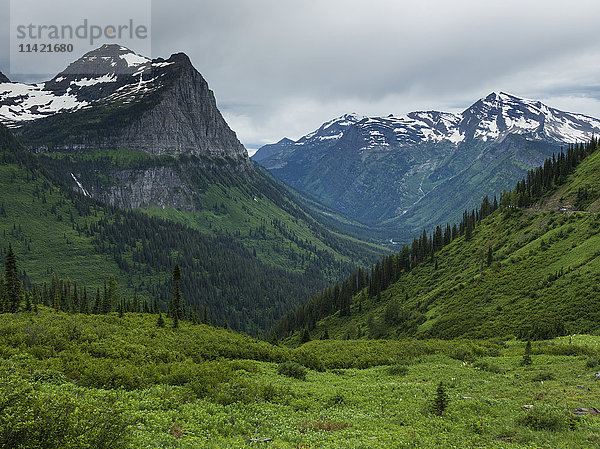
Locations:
column 403, row 173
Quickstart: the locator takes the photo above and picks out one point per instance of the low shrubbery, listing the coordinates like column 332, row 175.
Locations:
column 51, row 416
column 292, row 369
column 545, row 417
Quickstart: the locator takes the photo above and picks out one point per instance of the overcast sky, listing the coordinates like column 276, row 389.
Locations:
column 280, row 68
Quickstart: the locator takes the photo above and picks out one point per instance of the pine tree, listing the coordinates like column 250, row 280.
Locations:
column 175, row 307
column 85, row 306
column 161, row 321
column 28, row 302
column 12, row 285
column 205, row 318
column 441, row 401
column 490, row 256
column 305, row 336
column 527, row 355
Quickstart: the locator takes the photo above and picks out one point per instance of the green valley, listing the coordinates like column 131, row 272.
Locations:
column 283, row 259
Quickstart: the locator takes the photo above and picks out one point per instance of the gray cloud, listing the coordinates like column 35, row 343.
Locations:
column 281, row 68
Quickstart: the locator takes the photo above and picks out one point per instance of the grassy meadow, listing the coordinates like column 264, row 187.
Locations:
column 102, row 381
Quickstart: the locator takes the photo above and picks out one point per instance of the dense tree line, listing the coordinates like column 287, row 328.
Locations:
column 338, row 299
column 552, row 173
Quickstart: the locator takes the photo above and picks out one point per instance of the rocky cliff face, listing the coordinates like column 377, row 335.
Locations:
column 184, row 120
column 112, row 98
column 110, row 105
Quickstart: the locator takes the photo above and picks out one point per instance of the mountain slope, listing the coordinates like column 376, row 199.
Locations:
column 142, row 134
column 530, row 271
column 397, row 172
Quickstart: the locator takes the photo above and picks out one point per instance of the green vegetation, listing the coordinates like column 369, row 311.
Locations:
column 527, row 267
column 72, row 381
column 244, row 282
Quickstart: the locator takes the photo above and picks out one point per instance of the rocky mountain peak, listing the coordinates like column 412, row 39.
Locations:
column 163, row 107
column 107, row 59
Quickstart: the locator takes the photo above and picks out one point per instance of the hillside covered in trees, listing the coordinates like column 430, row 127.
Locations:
column 524, row 265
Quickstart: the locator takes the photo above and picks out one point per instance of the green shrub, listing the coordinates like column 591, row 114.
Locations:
column 292, row 369
column 397, row 370
column 487, row 366
column 545, row 417
column 49, row 376
column 462, row 353
column 593, row 362
column 542, row 376
column 59, row 417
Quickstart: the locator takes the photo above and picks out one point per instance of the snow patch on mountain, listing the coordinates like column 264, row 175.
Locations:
column 24, row 102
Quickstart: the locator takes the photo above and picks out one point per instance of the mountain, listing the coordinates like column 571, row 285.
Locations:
column 145, row 137
column 527, row 267
column 406, row 173
column 114, row 98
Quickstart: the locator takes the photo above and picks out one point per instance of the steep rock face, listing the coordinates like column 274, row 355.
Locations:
column 4, row 78
column 113, row 98
column 185, row 120
column 161, row 186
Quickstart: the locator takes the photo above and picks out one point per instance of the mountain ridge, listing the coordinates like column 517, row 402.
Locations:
column 393, row 173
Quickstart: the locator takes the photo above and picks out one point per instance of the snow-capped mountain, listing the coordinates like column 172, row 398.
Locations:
column 490, row 118
column 114, row 98
column 381, row 169
column 110, row 70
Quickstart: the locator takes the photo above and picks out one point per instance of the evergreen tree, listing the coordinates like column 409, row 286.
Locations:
column 490, row 256
column 161, row 321
column 12, row 285
column 175, row 306
column 527, row 355
column 441, row 401
column 205, row 318
column 85, row 305
column 305, row 336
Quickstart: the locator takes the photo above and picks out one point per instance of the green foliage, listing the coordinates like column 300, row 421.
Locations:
column 543, row 376
column 292, row 369
column 202, row 386
column 488, row 366
column 545, row 417
column 59, row 417
column 397, row 370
